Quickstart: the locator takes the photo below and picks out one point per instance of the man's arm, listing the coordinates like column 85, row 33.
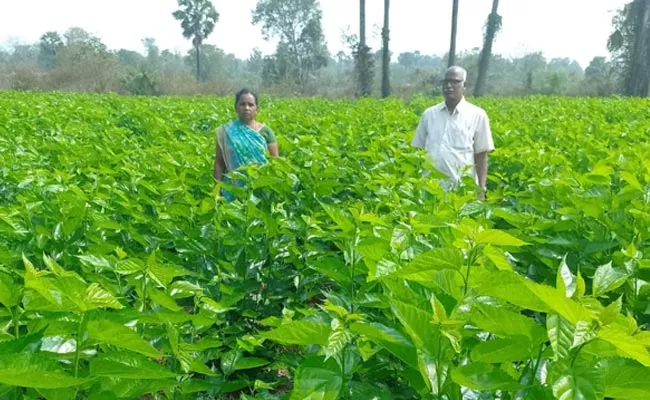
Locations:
column 481, row 162
column 483, row 145
column 420, row 138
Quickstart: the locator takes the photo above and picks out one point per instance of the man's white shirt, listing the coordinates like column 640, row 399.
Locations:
column 451, row 140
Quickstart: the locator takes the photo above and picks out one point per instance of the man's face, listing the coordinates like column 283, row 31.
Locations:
column 453, row 86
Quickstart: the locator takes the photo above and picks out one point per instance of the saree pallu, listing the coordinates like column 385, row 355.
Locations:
column 240, row 146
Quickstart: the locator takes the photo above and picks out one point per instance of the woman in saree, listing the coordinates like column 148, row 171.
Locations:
column 243, row 141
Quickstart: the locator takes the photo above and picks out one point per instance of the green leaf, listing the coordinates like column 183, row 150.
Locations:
column 479, row 376
column 607, row 278
column 300, row 332
column 579, row 383
column 425, row 266
column 389, row 338
column 496, row 351
column 418, row 323
column 10, row 291
column 560, row 333
column 35, row 370
column 161, row 298
column 96, row 297
column 496, row 237
column 126, row 365
column 565, row 280
column 626, row 380
column 498, row 257
column 611, row 312
column 184, row 289
column 338, row 339
column 318, row 379
column 244, row 363
column 108, row 332
column 506, row 323
column 627, row 345
column 334, row 268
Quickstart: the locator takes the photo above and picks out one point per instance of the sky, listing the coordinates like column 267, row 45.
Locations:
column 559, row 28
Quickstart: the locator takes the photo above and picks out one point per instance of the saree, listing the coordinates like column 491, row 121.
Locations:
column 240, row 146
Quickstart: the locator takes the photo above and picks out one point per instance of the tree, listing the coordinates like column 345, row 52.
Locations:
column 198, row 18
column 385, row 67
column 301, row 50
column 454, row 27
column 598, row 77
column 630, row 47
column 49, row 45
column 364, row 64
column 493, row 26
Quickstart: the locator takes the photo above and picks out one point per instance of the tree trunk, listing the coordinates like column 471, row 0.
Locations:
column 638, row 79
column 484, row 64
column 385, row 79
column 454, row 27
column 362, row 53
column 198, row 64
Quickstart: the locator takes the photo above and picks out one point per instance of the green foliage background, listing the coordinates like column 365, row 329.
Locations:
column 342, row 274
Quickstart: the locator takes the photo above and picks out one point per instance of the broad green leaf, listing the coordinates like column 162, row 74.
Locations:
column 95, row 261
column 496, row 351
column 318, row 379
column 184, row 289
column 10, row 291
column 129, row 266
column 479, row 376
column 108, row 332
column 560, row 333
column 243, row 363
column 35, row 370
column 127, row 365
column 498, row 257
column 626, row 380
column 418, row 323
column 96, row 297
column 334, row 268
column 611, row 312
column 506, row 323
column 496, row 237
column 300, row 332
column 389, row 338
column 566, row 281
column 29, row 343
column 338, row 339
column 607, row 278
column 579, row 383
column 626, row 344
column 161, row 298
column 425, row 266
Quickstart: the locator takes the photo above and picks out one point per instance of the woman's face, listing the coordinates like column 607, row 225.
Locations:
column 246, row 107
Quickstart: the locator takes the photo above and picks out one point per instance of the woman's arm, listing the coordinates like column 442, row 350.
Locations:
column 219, row 163
column 273, row 149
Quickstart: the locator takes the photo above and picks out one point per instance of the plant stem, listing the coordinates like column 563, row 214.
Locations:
column 470, row 261
column 77, row 352
column 14, row 321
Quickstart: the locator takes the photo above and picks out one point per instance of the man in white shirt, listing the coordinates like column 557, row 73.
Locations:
column 456, row 134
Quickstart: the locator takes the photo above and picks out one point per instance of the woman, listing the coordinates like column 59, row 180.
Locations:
column 243, row 141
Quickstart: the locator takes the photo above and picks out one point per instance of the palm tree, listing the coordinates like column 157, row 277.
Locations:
column 385, row 79
column 198, row 18
column 493, row 26
column 454, row 26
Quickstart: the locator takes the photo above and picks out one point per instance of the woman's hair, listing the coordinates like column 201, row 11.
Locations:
column 243, row 92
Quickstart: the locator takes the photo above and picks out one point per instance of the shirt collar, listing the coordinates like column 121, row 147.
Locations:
column 459, row 106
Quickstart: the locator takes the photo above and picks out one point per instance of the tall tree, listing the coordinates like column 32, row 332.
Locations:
column 49, row 45
column 492, row 27
column 385, row 67
column 454, row 28
column 629, row 45
column 301, row 50
column 198, row 18
column 363, row 59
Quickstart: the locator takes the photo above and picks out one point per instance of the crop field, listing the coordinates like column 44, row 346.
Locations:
column 341, row 274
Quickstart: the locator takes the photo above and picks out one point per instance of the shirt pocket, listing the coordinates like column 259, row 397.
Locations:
column 460, row 138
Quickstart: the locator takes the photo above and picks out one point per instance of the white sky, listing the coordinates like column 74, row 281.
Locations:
column 560, row 28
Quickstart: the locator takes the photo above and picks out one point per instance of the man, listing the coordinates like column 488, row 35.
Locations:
column 456, row 134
